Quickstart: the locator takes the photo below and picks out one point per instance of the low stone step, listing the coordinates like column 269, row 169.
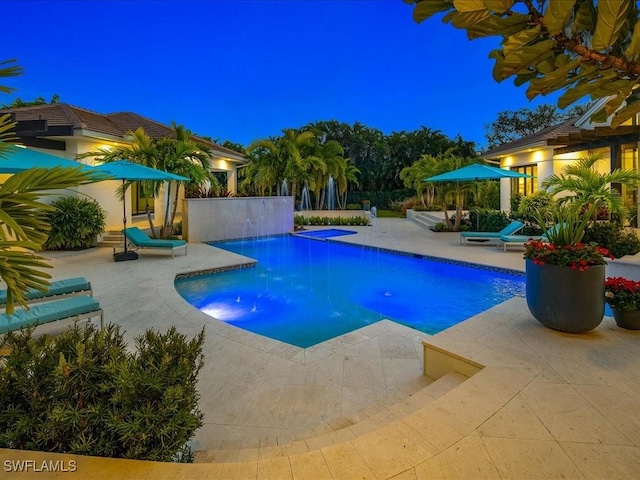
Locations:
column 371, row 418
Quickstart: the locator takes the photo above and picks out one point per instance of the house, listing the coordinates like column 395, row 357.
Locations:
column 546, row 152
column 68, row 131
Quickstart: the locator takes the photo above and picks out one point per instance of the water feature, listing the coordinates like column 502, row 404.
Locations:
column 284, row 188
column 305, row 201
column 331, row 194
column 304, row 291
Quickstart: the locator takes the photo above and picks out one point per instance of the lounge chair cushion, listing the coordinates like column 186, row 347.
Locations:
column 513, row 227
column 58, row 287
column 48, row 312
column 141, row 239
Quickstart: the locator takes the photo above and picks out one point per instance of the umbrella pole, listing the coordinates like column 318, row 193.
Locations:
column 124, row 216
column 125, row 255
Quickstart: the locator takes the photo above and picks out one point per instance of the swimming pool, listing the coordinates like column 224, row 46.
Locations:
column 304, row 291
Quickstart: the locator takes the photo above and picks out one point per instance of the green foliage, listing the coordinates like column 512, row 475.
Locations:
column 84, row 392
column 75, row 223
column 512, row 125
column 301, row 220
column 530, row 207
column 23, row 218
column 614, row 237
column 379, row 199
column 581, row 47
column 489, row 220
column 569, row 223
column 587, row 186
column 19, row 103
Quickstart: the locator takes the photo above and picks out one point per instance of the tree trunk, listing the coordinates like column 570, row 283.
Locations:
column 148, row 212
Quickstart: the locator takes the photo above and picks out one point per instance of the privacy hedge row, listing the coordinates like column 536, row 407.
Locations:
column 84, row 392
column 300, row 220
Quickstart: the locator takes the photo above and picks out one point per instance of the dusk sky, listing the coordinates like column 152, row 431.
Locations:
column 244, row 70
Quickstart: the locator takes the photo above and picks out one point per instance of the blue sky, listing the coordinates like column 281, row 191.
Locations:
column 243, row 70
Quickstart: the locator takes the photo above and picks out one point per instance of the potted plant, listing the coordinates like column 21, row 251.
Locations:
column 565, row 277
column 623, row 296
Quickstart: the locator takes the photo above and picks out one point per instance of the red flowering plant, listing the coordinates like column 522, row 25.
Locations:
column 561, row 245
column 622, row 294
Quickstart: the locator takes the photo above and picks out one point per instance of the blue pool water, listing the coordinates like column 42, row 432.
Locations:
column 305, row 291
column 327, row 233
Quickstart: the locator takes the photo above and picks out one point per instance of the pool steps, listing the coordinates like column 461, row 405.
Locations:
column 366, row 420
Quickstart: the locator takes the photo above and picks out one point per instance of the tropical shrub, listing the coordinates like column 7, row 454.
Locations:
column 85, row 392
column 540, row 203
column 75, row 222
column 614, row 237
column 488, row 220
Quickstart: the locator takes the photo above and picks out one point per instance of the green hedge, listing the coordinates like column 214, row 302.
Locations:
column 85, row 392
column 379, row 199
column 301, row 220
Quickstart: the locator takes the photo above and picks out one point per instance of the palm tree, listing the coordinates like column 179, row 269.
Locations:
column 23, row 217
column 350, row 175
column 264, row 169
column 329, row 162
column 587, row 186
column 180, row 155
column 23, row 222
column 294, row 148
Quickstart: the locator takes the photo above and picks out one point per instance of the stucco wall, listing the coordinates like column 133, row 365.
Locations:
column 211, row 219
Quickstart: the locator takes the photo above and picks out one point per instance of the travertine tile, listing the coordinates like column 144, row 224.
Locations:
column 415, row 448
column 515, row 420
column 239, row 471
column 344, row 461
column 468, row 458
column 431, row 425
column 568, row 416
column 310, row 465
column 617, row 404
column 274, row 469
column 530, row 459
column 605, row 461
column 383, row 455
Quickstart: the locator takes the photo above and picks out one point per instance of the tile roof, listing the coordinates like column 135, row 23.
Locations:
column 552, row 132
column 114, row 124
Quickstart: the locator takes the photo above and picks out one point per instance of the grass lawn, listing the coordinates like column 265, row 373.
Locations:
column 389, row 214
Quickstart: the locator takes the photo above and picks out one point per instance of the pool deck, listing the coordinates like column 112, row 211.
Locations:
column 544, row 405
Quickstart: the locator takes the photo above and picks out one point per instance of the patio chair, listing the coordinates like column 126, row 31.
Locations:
column 69, row 287
column 520, row 240
column 510, row 229
column 139, row 239
column 52, row 317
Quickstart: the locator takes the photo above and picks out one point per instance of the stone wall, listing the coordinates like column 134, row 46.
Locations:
column 213, row 219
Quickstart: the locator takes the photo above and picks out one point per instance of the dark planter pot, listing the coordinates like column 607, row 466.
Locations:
column 629, row 319
column 565, row 299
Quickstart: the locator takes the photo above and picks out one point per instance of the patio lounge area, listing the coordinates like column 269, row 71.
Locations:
column 512, row 400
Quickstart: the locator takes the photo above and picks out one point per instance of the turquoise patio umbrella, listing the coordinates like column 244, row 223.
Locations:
column 474, row 173
column 133, row 172
column 15, row 159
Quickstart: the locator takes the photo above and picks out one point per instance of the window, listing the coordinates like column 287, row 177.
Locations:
column 525, row 186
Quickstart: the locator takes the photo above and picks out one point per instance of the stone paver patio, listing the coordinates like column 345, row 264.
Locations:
column 545, row 405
